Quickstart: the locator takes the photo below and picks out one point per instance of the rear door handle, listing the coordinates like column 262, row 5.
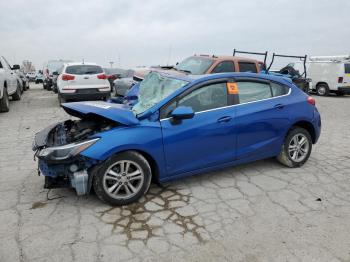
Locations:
column 224, row 119
column 279, row 106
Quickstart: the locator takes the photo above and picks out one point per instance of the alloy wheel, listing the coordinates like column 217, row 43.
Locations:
column 298, row 148
column 123, row 179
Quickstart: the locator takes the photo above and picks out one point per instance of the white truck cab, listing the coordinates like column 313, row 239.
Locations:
column 330, row 74
column 9, row 84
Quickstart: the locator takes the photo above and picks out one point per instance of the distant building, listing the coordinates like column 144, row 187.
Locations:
column 27, row 66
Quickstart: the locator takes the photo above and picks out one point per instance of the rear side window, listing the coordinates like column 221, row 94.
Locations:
column 247, row 67
column 279, row 90
column 347, row 68
column 0, row 65
column 84, row 70
column 225, row 66
column 253, row 91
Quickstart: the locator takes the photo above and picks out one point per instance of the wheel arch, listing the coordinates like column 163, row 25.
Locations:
column 322, row 83
column 308, row 126
column 152, row 162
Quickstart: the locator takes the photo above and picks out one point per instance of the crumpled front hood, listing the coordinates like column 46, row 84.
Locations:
column 116, row 112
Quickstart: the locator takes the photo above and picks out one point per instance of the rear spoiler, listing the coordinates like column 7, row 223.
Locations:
column 302, row 58
column 235, row 51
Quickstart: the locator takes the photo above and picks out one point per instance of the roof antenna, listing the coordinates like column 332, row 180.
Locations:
column 83, row 61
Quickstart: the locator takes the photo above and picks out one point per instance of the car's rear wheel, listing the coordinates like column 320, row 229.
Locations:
column 61, row 100
column 296, row 148
column 17, row 95
column 322, row 90
column 5, row 101
column 123, row 178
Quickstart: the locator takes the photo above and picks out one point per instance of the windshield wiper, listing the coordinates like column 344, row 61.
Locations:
column 183, row 70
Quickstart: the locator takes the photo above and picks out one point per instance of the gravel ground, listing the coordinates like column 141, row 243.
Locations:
column 257, row 212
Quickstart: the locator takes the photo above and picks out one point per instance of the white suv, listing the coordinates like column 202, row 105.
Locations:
column 9, row 84
column 82, row 81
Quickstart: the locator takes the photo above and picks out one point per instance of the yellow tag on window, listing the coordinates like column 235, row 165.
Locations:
column 232, row 88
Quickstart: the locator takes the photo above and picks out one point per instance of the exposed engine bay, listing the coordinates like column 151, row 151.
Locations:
column 76, row 130
column 58, row 146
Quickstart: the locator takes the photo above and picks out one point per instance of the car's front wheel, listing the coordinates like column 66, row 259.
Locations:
column 296, row 148
column 5, row 101
column 123, row 178
column 17, row 95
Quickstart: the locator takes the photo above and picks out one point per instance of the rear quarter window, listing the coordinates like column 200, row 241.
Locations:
column 247, row 67
column 84, row 70
column 253, row 91
column 279, row 90
column 347, row 68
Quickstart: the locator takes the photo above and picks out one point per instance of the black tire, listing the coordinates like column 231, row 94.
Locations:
column 322, row 90
column 285, row 157
column 17, row 95
column 24, row 87
column 106, row 98
column 61, row 100
column 5, row 101
column 339, row 93
column 142, row 187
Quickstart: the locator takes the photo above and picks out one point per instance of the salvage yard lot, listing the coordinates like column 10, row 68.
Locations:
column 256, row 212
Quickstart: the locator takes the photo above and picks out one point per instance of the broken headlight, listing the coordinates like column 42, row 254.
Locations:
column 66, row 151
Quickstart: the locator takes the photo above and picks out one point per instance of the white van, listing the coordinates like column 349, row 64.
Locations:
column 330, row 74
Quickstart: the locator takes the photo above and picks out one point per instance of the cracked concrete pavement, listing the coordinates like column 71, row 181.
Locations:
column 256, row 212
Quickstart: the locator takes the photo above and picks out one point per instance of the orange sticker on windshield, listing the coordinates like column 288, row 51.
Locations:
column 232, row 88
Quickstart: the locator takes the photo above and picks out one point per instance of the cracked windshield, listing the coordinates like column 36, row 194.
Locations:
column 153, row 89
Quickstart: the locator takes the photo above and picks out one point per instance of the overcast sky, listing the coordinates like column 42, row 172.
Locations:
column 153, row 32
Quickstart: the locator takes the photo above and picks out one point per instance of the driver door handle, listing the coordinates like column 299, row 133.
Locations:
column 279, row 106
column 224, row 119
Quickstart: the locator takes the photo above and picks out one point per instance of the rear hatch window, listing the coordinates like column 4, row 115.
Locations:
column 84, row 70
column 347, row 68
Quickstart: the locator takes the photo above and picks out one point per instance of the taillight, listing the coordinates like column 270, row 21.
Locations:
column 113, row 77
column 102, row 76
column 340, row 80
column 311, row 100
column 67, row 77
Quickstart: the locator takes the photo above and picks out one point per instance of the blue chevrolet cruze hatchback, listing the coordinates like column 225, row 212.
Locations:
column 181, row 126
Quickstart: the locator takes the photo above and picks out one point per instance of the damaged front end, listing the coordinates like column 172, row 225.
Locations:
column 58, row 148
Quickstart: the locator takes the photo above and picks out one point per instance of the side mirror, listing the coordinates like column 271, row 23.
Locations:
column 182, row 112
column 55, row 73
column 15, row 67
